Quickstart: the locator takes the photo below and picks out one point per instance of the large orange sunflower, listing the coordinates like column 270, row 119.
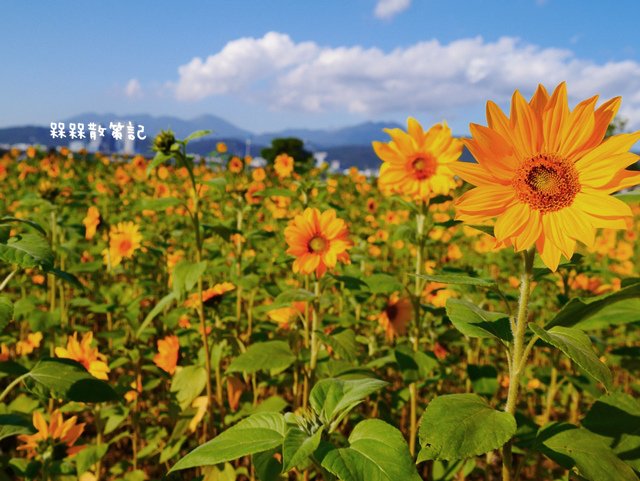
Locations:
column 416, row 163
column 546, row 174
column 318, row 241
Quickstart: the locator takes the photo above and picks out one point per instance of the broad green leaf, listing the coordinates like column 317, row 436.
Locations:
column 472, row 321
column 14, row 424
column 159, row 159
column 383, row 284
column 414, row 365
column 579, row 309
column 6, row 312
column 484, row 379
column 576, row 345
column 188, row 382
column 616, row 418
column 622, row 312
column 221, row 472
column 27, row 250
column 89, row 456
column 65, row 276
column 585, row 452
column 267, row 467
column 458, row 426
column 377, row 452
column 263, row 356
column 333, row 398
column 70, row 380
column 186, row 275
column 252, row 435
column 342, row 341
column 298, row 446
column 459, row 279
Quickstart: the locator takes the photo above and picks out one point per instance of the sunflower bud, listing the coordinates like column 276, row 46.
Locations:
column 163, row 141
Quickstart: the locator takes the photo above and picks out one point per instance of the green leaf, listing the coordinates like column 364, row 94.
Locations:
column 579, row 309
column 377, row 452
column 157, row 309
column 472, row 321
column 158, row 204
column 458, row 426
column 186, row 275
column 342, row 341
column 484, row 379
column 188, row 382
column 6, row 312
column 622, row 312
column 196, row 135
column 14, row 424
column 333, row 398
column 383, row 284
column 576, row 345
column 266, row 466
column 27, row 250
column 66, row 276
column 70, row 380
column 35, row 225
column 89, row 456
column 616, row 419
column 263, row 356
column 298, row 446
column 159, row 159
column 459, row 279
column 414, row 365
column 252, row 435
column 294, row 295
column 583, row 451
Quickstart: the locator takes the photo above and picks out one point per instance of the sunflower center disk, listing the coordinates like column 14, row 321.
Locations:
column 547, row 183
column 317, row 244
column 424, row 166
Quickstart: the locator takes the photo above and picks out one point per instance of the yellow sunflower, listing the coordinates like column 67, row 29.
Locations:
column 416, row 163
column 546, row 174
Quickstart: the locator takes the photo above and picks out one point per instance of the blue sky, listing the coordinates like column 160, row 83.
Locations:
column 267, row 65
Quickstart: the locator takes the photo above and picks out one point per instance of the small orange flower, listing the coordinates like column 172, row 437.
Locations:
column 31, row 343
column 91, row 222
column 284, row 165
column 258, row 175
column 55, row 433
column 396, row 316
column 211, row 295
column 318, row 241
column 82, row 352
column 221, row 147
column 235, row 165
column 167, row 357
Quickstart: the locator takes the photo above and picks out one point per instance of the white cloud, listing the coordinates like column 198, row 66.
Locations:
column 425, row 77
column 390, row 8
column 133, row 88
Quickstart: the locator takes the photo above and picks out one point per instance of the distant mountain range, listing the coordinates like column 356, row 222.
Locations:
column 349, row 145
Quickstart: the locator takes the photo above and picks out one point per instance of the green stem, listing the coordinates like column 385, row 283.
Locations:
column 519, row 354
column 13, row 384
column 8, row 278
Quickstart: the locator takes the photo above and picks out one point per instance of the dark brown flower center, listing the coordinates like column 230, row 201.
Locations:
column 424, row 166
column 546, row 182
column 392, row 312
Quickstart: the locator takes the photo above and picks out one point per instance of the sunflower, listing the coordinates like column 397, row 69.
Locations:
column 124, row 240
column 546, row 174
column 396, row 316
column 167, row 356
column 82, row 352
column 318, row 241
column 57, row 432
column 283, row 165
column 416, row 163
column 235, row 165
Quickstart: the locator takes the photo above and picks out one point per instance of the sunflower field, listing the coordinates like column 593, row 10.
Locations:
column 173, row 317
